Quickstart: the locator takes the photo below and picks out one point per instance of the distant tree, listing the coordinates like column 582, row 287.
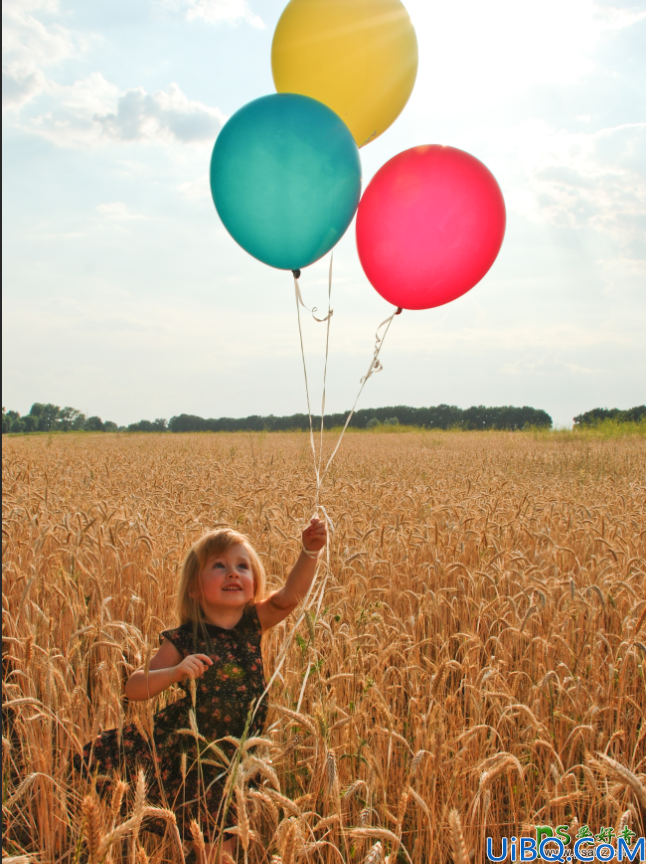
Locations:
column 373, row 423
column 68, row 417
column 391, row 421
column 187, row 423
column 142, row 426
column 596, row 415
column 160, row 424
column 11, row 422
column 94, row 424
column 634, row 415
column 47, row 415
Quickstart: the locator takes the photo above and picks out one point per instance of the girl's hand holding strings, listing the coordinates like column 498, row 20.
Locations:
column 277, row 606
column 314, row 537
column 193, row 666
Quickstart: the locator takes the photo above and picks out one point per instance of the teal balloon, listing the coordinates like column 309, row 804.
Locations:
column 286, row 179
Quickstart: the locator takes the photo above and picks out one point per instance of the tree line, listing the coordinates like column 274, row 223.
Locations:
column 46, row 417
column 598, row 415
column 438, row 417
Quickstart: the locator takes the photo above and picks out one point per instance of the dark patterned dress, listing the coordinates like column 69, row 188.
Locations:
column 224, row 694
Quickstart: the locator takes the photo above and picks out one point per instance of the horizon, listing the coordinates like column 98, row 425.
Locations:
column 337, row 419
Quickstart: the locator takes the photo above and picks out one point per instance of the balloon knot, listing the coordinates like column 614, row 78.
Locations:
column 297, row 274
column 399, row 310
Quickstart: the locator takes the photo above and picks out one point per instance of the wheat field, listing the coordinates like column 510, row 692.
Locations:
column 476, row 667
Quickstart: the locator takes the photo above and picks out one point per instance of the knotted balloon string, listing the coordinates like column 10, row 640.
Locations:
column 375, row 366
column 299, row 298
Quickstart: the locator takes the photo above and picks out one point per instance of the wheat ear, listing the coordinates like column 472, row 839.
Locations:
column 626, row 776
column 375, row 854
column 243, row 817
column 93, row 830
column 117, row 797
column 460, row 854
column 198, row 838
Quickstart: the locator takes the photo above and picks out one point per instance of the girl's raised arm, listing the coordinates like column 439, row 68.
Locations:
column 278, row 605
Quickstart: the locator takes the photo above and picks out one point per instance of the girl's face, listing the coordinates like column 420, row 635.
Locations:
column 227, row 579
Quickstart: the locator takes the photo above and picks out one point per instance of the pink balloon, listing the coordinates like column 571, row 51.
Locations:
column 429, row 226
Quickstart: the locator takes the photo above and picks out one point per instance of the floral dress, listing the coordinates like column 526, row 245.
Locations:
column 191, row 786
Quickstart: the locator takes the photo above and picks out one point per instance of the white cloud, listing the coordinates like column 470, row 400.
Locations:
column 625, row 278
column 425, row 336
column 581, row 179
column 195, row 190
column 616, row 19
column 92, row 111
column 218, row 11
column 168, row 115
column 72, row 120
column 29, row 46
column 546, row 365
column 19, row 86
column 117, row 211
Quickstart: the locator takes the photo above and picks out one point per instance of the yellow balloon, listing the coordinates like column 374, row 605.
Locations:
column 358, row 57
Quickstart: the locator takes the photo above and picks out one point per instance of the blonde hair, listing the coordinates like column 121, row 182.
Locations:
column 213, row 543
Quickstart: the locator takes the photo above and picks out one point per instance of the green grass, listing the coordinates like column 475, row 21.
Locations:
column 607, row 429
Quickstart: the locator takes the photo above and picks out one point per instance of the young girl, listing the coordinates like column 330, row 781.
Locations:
column 222, row 615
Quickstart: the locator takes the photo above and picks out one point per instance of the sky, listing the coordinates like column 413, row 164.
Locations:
column 125, row 297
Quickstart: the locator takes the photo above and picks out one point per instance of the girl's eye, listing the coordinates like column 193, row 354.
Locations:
column 219, row 564
column 243, row 566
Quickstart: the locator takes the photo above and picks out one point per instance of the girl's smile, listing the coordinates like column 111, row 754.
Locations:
column 227, row 579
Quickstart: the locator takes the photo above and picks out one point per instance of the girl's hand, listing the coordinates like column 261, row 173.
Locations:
column 314, row 537
column 193, row 666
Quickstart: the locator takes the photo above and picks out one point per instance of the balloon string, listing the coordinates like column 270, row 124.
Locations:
column 306, row 605
column 327, row 349
column 299, row 303
column 375, row 366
